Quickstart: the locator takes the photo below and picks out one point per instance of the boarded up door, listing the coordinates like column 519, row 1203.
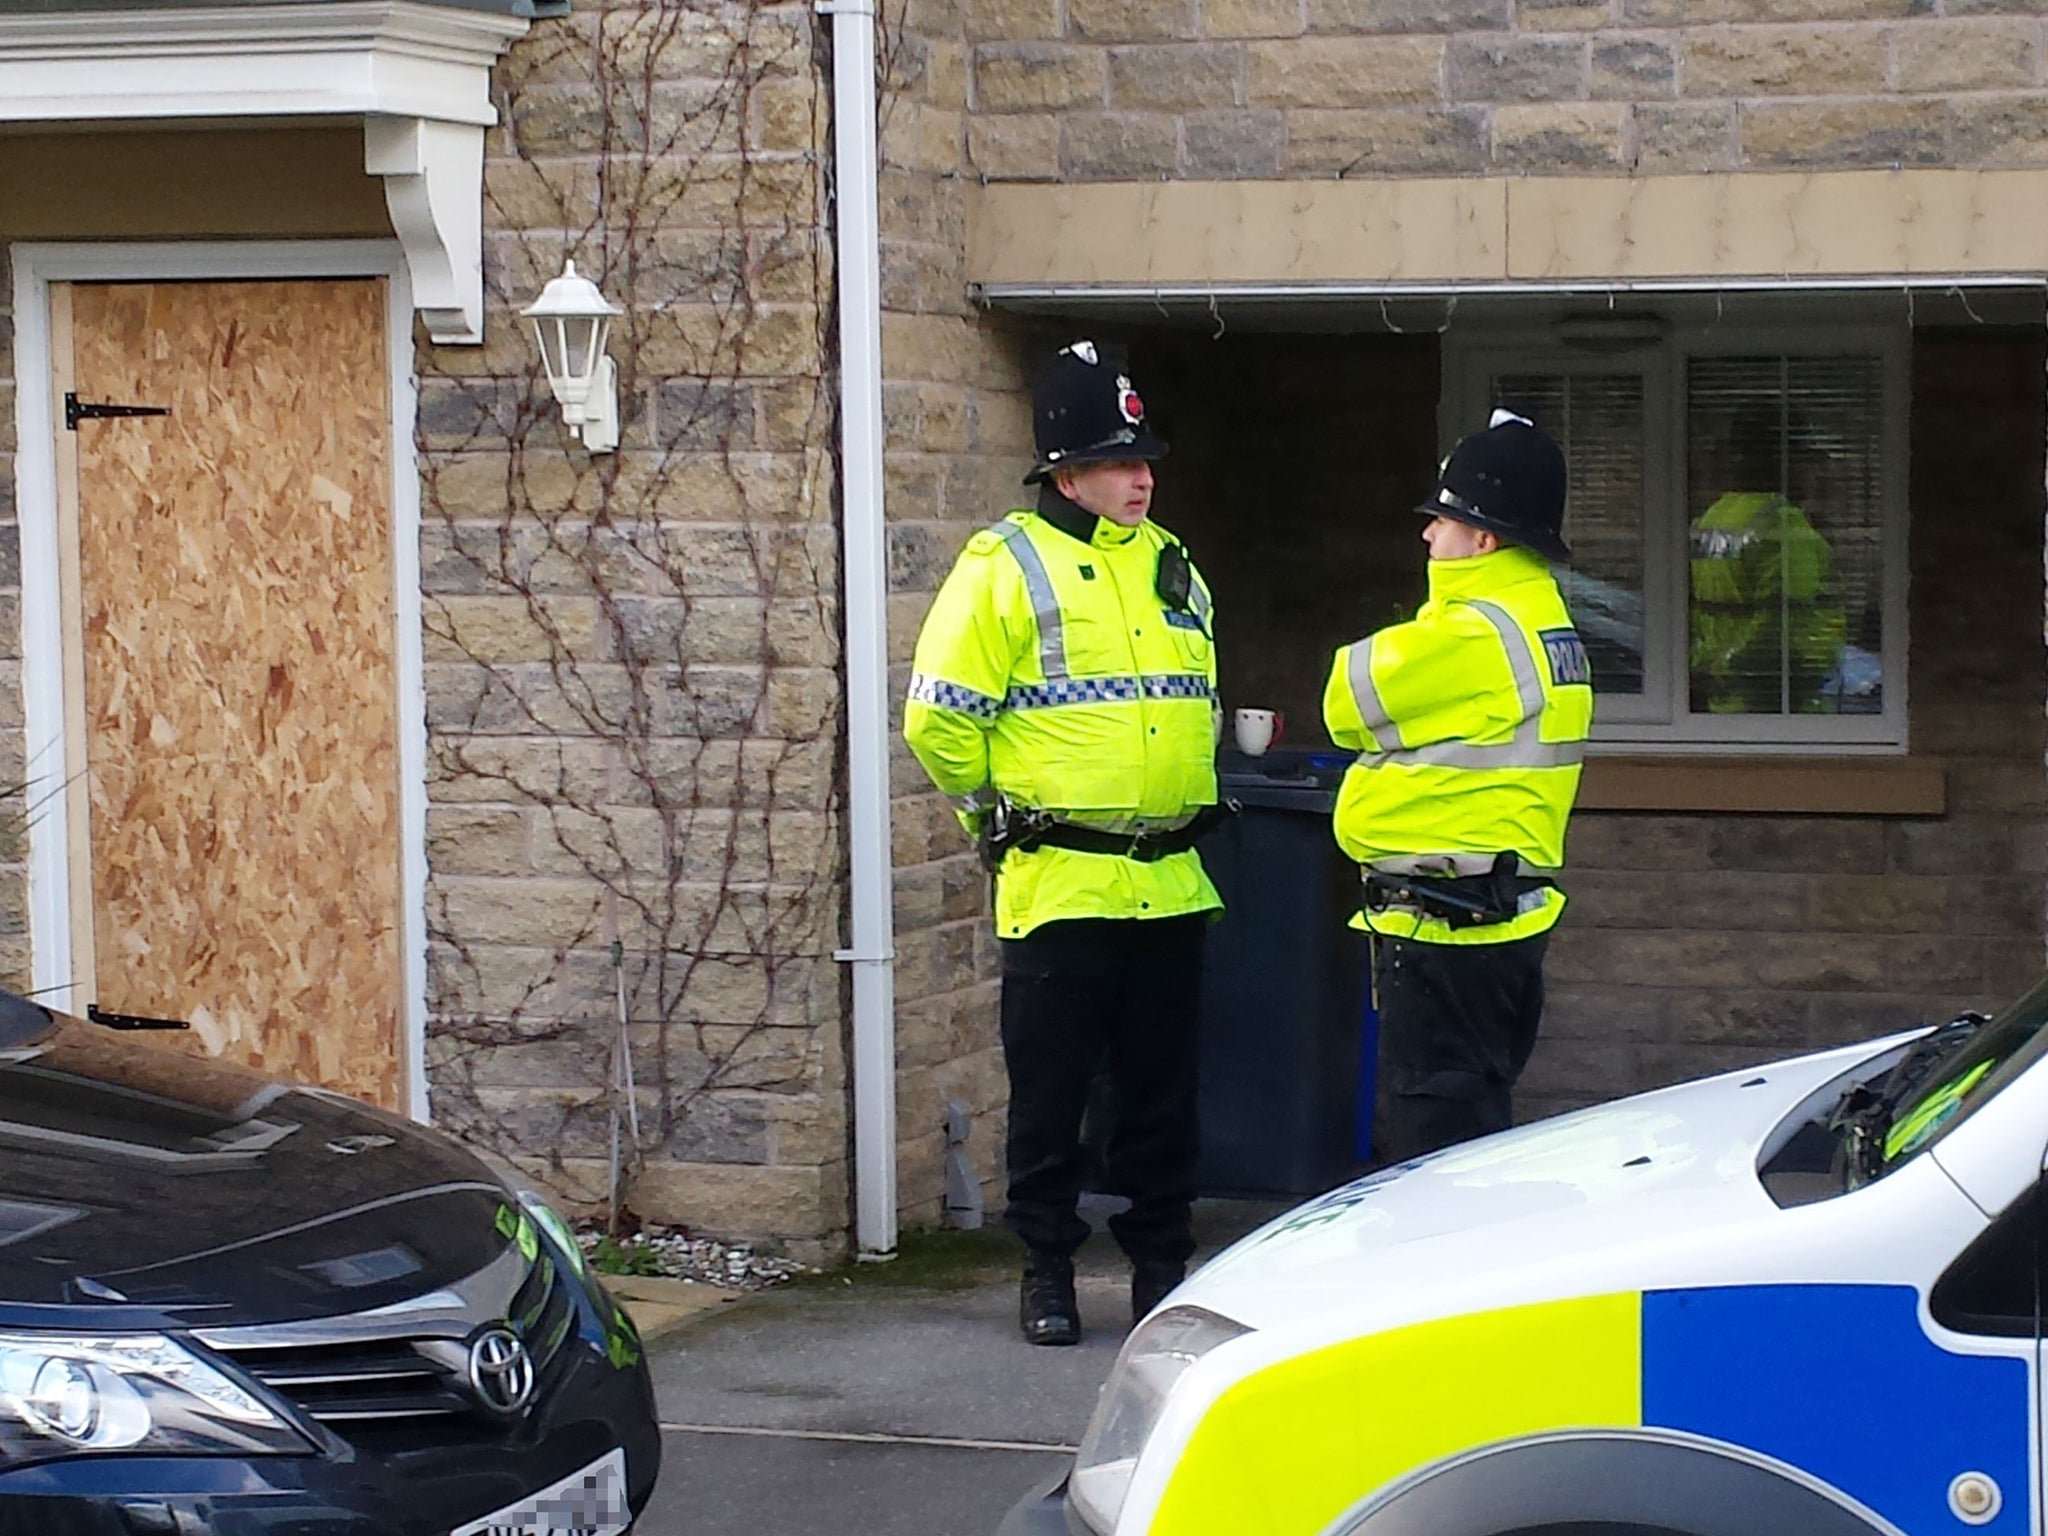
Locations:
column 232, row 682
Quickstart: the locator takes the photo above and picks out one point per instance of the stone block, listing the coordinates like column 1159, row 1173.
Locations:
column 1565, row 15
column 1999, row 907
column 1817, row 962
column 1552, row 137
column 1785, row 61
column 1227, row 145
column 2000, row 131
column 1252, row 18
column 1848, row 133
column 1327, row 73
column 1195, row 76
column 1704, row 13
column 1407, row 16
column 1775, row 1019
column 1632, row 841
column 511, row 629
column 1605, row 957
column 1880, row 903
column 786, row 117
column 1014, row 148
column 476, row 841
column 540, row 194
column 1489, row 69
column 1676, row 138
column 1118, row 146
column 1038, row 77
column 1966, row 846
column 1390, row 141
column 1942, row 963
column 720, row 1199
column 1604, row 1014
column 1007, row 21
column 485, row 770
column 1117, row 21
column 1797, row 844
column 1943, row 56
column 1633, row 69
column 918, row 137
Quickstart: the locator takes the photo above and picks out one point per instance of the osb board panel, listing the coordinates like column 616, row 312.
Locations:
column 240, row 713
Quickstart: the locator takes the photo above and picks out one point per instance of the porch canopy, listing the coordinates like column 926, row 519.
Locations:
column 415, row 73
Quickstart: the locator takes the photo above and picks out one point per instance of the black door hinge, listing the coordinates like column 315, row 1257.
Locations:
column 100, row 1016
column 77, row 410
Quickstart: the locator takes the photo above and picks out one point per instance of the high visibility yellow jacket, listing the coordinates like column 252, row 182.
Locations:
column 1050, row 671
column 1765, row 633
column 1470, row 723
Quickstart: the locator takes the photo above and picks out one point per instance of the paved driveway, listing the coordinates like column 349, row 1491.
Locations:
column 900, row 1404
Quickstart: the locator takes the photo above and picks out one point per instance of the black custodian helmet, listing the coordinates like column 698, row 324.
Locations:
column 1508, row 480
column 1084, row 411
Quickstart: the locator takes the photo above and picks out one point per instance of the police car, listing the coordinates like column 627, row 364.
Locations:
column 1804, row 1299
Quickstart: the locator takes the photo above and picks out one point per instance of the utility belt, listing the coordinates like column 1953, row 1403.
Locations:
column 1010, row 828
column 1461, row 901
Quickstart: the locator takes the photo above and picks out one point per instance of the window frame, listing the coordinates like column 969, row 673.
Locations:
column 1660, row 719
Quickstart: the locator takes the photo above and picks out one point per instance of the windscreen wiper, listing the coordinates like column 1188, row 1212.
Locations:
column 1864, row 1117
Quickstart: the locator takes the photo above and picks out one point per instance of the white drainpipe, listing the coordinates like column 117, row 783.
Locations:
column 873, row 951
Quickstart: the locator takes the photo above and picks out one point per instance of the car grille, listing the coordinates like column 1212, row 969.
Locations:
column 362, row 1382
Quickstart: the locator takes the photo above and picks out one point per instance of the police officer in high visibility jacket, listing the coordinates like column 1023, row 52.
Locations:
column 1064, row 695
column 1470, row 723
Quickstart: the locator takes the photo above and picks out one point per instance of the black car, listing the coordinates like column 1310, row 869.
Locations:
column 232, row 1307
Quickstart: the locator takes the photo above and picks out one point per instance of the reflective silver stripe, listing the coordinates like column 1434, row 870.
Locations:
column 1366, row 694
column 1052, row 634
column 1456, row 754
column 980, row 800
column 1199, row 596
column 1452, row 864
column 1528, row 749
column 1521, row 657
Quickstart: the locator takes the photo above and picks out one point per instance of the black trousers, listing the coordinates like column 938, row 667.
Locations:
column 1457, row 1024
column 1078, row 993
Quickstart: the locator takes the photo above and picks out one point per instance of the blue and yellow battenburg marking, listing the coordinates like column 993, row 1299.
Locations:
column 1840, row 1381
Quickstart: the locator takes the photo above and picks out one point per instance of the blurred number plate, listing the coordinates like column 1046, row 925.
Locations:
column 587, row 1503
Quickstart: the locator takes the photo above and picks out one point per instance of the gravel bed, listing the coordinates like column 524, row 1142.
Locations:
column 679, row 1256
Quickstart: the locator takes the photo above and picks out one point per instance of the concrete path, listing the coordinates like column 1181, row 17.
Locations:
column 893, row 1400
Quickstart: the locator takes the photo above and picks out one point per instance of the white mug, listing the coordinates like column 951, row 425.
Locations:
column 1256, row 730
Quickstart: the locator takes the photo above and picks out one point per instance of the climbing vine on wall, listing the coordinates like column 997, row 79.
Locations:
column 632, row 697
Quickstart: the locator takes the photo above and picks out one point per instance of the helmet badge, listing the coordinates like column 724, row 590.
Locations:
column 1127, row 402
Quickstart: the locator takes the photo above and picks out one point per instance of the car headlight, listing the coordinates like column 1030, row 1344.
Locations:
column 558, row 1231
column 1153, row 1359
column 64, row 1394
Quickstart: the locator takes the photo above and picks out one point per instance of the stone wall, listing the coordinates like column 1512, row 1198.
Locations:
column 632, row 661
column 1088, row 90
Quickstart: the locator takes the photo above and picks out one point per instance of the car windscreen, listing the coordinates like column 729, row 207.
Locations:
column 1996, row 1052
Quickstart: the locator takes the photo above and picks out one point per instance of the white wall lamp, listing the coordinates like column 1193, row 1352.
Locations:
column 572, row 321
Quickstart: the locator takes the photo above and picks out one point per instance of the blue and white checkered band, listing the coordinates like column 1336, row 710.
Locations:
column 1072, row 690
column 1179, row 685
column 1107, row 690
column 941, row 694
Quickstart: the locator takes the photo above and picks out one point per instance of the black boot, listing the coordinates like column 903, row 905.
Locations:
column 1046, row 1306
column 1151, row 1280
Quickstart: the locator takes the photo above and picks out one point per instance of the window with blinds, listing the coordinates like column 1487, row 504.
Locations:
column 1736, row 518
column 1597, row 419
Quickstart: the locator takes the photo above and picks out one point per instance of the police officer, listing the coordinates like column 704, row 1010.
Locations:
column 1470, row 723
column 1064, row 695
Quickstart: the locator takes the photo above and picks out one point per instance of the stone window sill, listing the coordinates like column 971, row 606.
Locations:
column 1825, row 786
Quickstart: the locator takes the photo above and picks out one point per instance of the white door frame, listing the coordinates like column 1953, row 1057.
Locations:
column 36, row 267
